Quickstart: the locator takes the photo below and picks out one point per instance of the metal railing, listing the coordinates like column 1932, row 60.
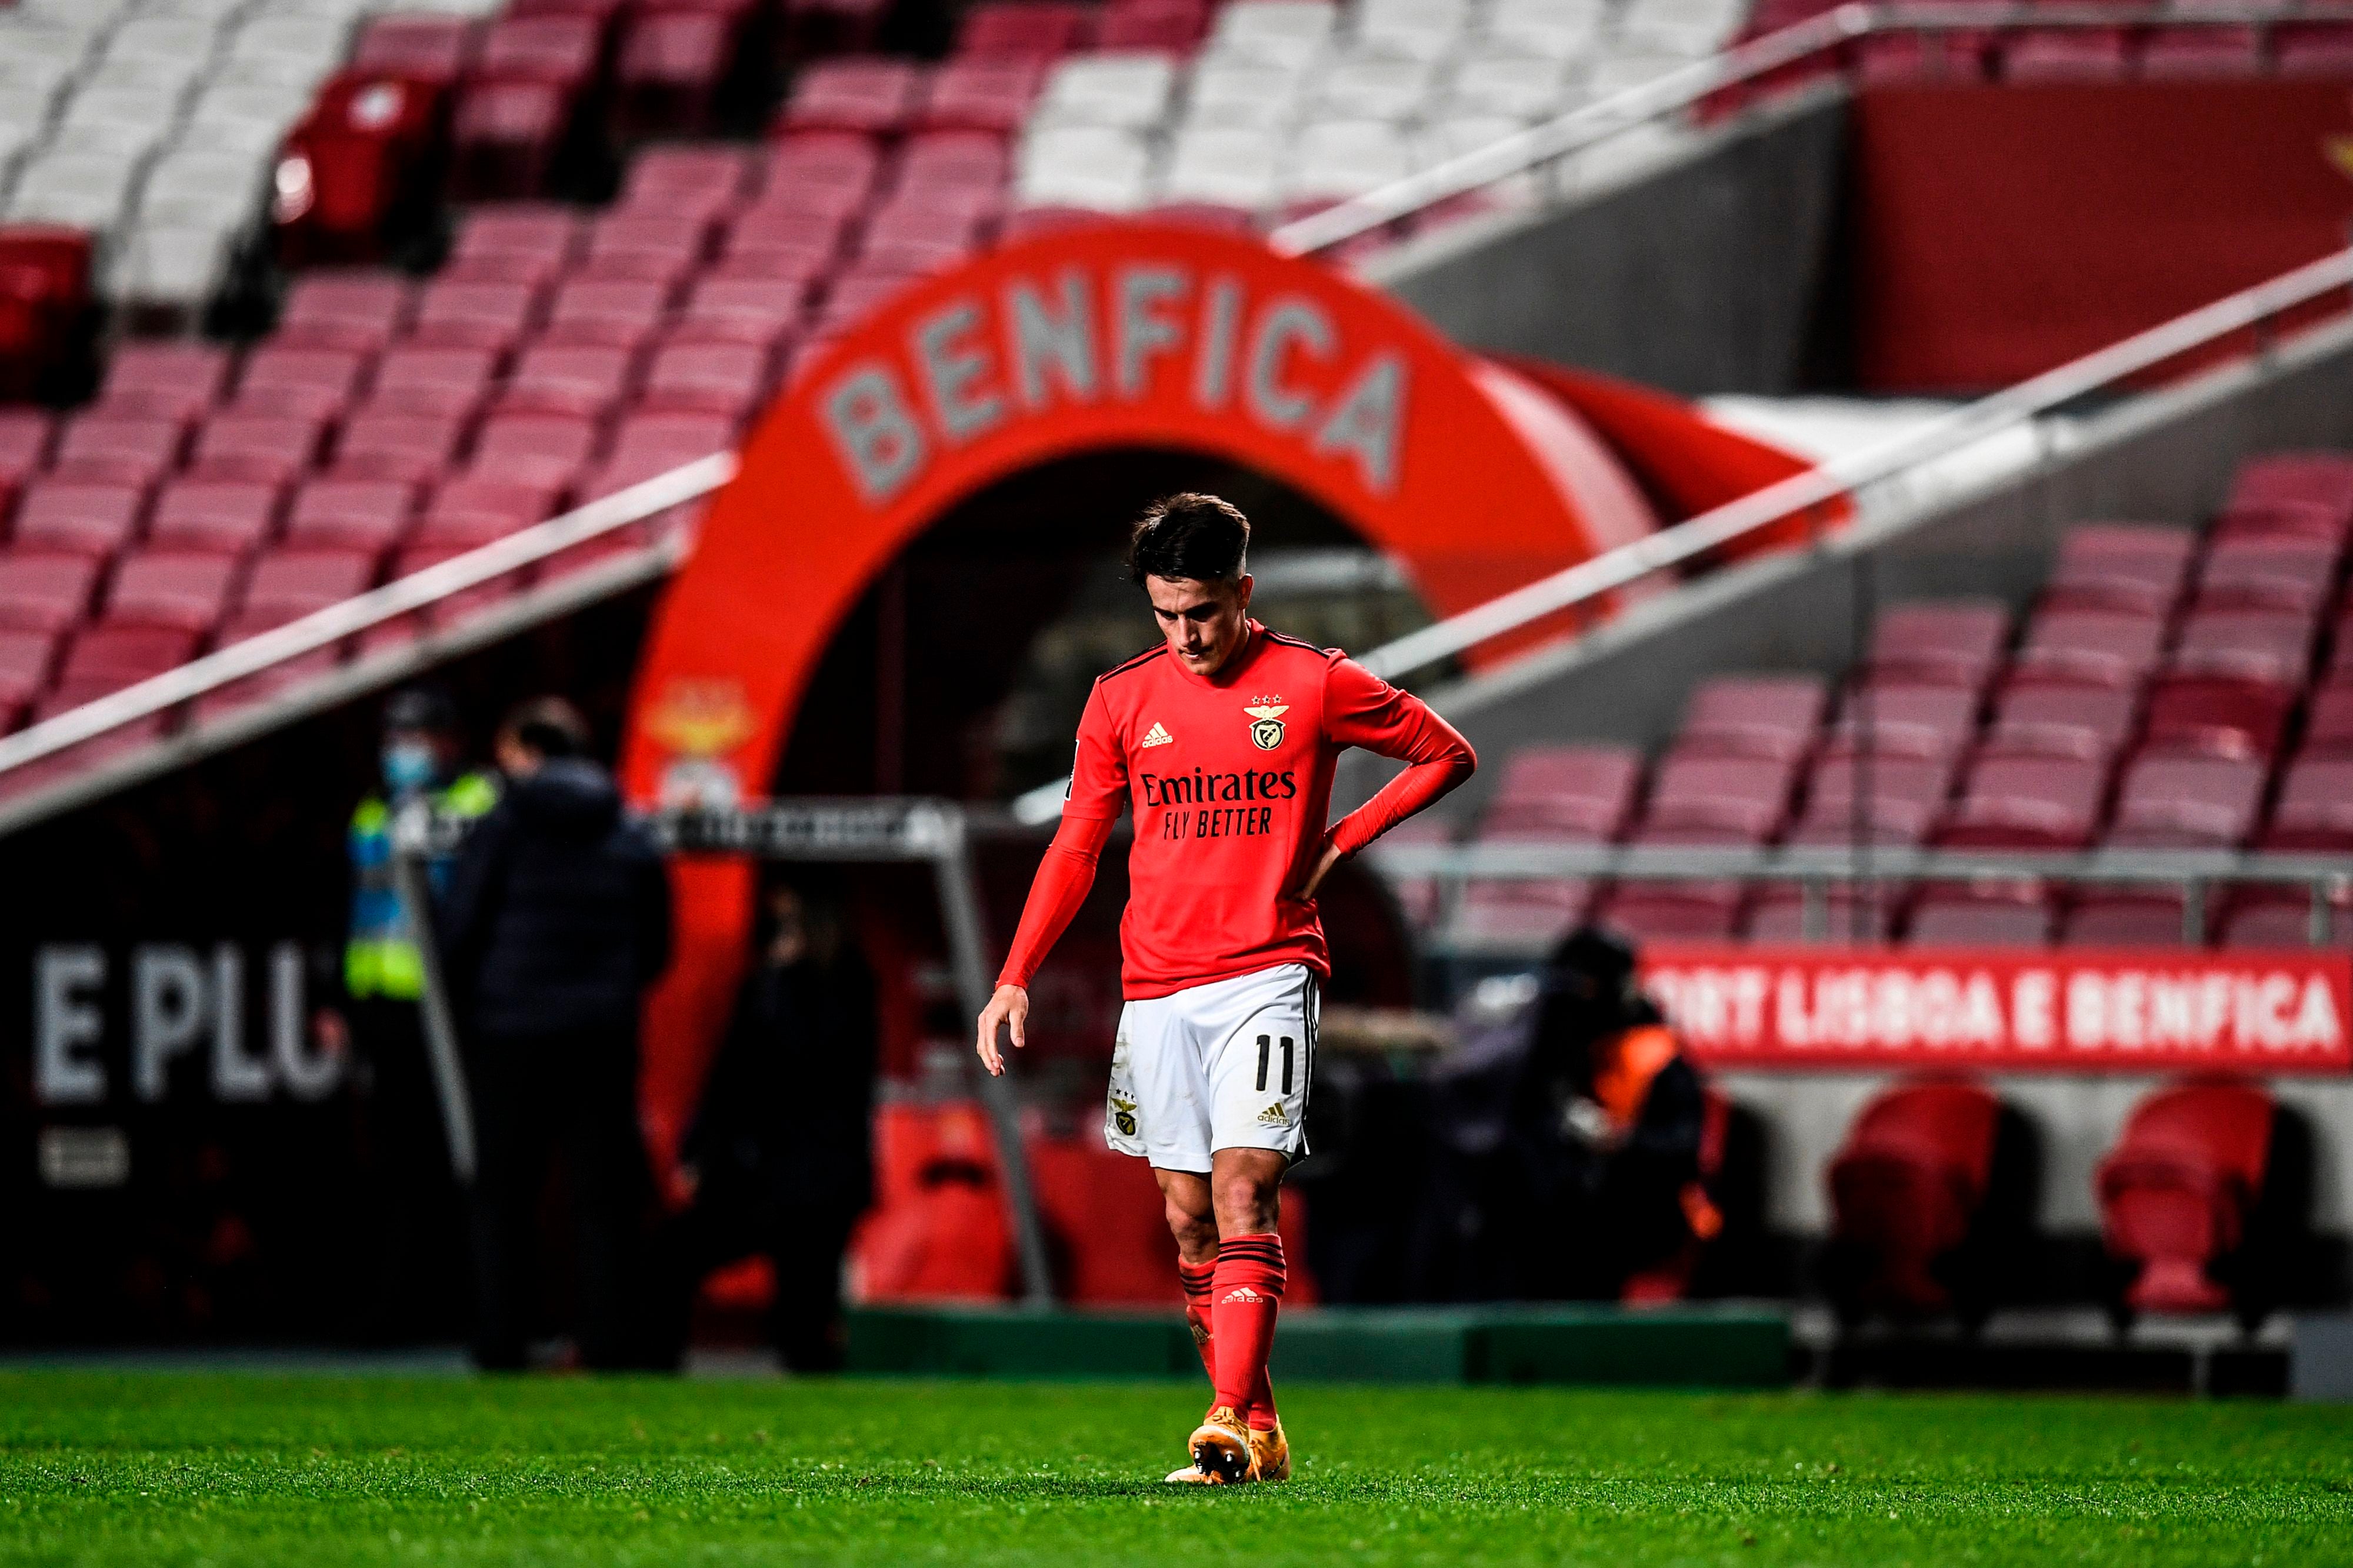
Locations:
column 1677, row 92
column 401, row 597
column 1815, row 870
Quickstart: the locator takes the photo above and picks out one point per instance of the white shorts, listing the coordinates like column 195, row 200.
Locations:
column 1221, row 1066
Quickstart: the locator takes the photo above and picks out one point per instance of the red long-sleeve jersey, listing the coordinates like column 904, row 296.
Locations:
column 1229, row 777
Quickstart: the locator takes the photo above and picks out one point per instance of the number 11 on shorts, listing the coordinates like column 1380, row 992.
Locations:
column 1264, row 1051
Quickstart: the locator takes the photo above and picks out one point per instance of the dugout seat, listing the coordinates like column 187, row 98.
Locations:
column 1931, row 1195
column 2202, row 1199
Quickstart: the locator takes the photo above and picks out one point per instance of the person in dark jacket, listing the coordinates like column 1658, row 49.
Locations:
column 779, row 1159
column 556, row 919
column 1575, row 1133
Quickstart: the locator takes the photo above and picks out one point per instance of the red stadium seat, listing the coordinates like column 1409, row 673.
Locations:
column 1675, row 912
column 370, row 515
column 2018, row 915
column 669, row 71
column 764, row 314
column 2323, row 479
column 262, row 448
column 225, row 516
column 404, row 448
column 2075, row 55
column 1904, row 58
column 290, row 583
column 548, row 450
column 1025, row 29
column 101, row 449
column 971, row 93
column 2280, row 520
column 2091, row 646
column 2052, row 719
column 1579, row 793
column 1763, row 716
column 491, row 316
column 1778, row 913
column 545, row 233
column 730, row 379
column 358, row 310
column 2315, row 806
column 44, row 593
column 644, row 248
column 45, row 296
column 821, row 170
column 559, row 50
column 557, row 378
column 2292, row 575
column 2223, row 715
column 659, row 174
column 354, row 172
column 2175, row 802
column 1521, row 914
column 173, row 381
column 25, row 435
column 435, row 50
column 2180, row 1190
column 955, row 160
column 108, row 657
column 611, row 314
column 1703, row 798
column 1952, row 643
column 2133, row 567
column 1908, row 1191
column 872, row 97
column 2329, row 726
column 172, row 589
column 1174, row 29
column 67, row 517
column 450, row 383
column 2265, row 648
column 668, row 438
column 2278, row 917
column 468, row 513
column 2126, row 918
column 1902, row 798
column 26, row 658
column 2027, row 802
column 1905, row 718
column 304, row 383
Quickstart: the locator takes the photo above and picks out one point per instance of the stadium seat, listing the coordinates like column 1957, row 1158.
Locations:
column 370, row 515
column 357, row 310
column 289, row 583
column 1705, row 798
column 545, row 235
column 2137, row 568
column 2292, row 575
column 107, row 450
column 587, row 382
column 2315, row 806
column 2258, row 646
column 433, row 49
column 305, row 383
column 2279, row 520
column 26, row 660
column 450, row 383
column 2322, row 480
column 223, row 517
column 495, row 317
column 729, row 379
column 2180, row 1196
column 45, row 593
column 1951, row 642
column 2074, row 55
column 1898, row 798
column 549, row 450
column 353, row 168
column 67, row 517
column 2126, row 918
column 1925, row 1193
column 2281, row 917
column 990, row 94
column 388, row 444
column 2053, row 719
column 1675, row 912
column 2014, row 915
column 2027, row 802
column 875, row 96
column 591, row 313
column 1576, row 792
column 641, row 248
column 2175, row 802
column 164, row 380
column 470, row 512
column 1763, row 716
column 2091, row 646
column 1898, row 716
column 271, row 449
column 668, row 72
column 25, row 435
column 2232, row 718
column 1022, row 29
column 107, row 657
column 2328, row 724
column 172, row 589
column 1777, row 914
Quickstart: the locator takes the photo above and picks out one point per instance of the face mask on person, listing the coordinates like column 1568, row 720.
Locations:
column 409, row 766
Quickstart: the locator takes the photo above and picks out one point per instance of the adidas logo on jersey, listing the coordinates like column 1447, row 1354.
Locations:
column 1273, row 1115
column 1240, row 1295
column 1156, row 736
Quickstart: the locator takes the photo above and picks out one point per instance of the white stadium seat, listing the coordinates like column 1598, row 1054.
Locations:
column 1373, row 86
column 1131, row 89
column 1287, row 32
column 1226, row 91
column 82, row 191
column 1095, row 166
column 1529, row 85
column 167, row 269
column 1331, row 159
column 1557, row 30
column 1418, row 30
column 1234, row 166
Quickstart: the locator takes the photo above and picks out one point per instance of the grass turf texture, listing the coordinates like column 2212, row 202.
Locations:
column 251, row 1470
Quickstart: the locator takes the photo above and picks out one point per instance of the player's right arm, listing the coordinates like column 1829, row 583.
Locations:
column 1098, row 794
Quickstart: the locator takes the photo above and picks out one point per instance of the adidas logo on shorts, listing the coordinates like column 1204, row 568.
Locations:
column 1273, row 1115
column 1155, row 736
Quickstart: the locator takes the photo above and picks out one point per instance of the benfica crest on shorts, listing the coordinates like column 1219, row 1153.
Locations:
column 1266, row 723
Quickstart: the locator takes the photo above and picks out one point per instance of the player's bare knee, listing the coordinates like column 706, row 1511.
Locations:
column 1246, row 1201
column 1196, row 1233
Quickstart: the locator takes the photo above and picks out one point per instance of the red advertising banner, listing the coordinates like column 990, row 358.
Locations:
column 2122, row 1011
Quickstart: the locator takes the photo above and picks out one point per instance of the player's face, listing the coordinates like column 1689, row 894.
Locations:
column 1203, row 622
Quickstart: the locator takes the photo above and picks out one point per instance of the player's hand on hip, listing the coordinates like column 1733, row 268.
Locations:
column 1326, row 859
column 1009, row 1007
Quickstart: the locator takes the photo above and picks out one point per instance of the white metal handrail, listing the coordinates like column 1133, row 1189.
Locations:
column 1678, row 91
column 1841, row 477
column 324, row 629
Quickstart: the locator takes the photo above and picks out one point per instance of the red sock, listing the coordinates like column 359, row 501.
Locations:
column 1248, row 1288
column 1197, row 1278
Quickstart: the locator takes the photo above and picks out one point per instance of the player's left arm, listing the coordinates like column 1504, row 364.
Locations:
column 1360, row 709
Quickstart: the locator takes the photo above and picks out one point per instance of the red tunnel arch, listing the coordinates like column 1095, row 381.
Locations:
column 1112, row 337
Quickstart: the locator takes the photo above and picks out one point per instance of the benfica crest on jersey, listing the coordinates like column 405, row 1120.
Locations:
column 1266, row 728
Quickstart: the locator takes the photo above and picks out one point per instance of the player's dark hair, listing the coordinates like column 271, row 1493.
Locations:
column 1199, row 538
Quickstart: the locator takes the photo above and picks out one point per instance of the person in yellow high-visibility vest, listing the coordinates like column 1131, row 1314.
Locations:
column 414, row 1220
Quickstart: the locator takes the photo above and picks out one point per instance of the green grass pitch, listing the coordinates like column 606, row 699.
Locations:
column 247, row 1471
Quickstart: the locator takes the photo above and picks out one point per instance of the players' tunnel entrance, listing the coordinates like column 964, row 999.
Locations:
column 1148, row 357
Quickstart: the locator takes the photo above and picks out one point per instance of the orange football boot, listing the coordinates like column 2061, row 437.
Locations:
column 1222, row 1449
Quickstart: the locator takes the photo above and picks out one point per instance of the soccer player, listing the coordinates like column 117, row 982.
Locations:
column 1221, row 740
